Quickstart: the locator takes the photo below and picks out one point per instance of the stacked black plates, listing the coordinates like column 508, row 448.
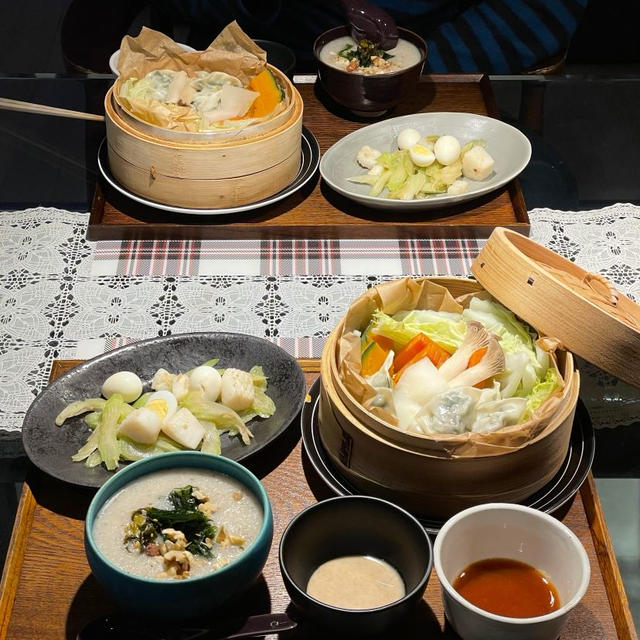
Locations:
column 561, row 488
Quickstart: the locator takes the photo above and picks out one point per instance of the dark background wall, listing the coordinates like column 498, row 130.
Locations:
column 30, row 33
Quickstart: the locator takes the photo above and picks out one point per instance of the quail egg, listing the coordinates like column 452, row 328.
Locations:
column 421, row 156
column 163, row 403
column 126, row 383
column 446, row 149
column 206, row 379
column 407, row 138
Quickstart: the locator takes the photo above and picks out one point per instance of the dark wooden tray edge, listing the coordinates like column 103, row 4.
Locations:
column 607, row 560
column 98, row 231
column 608, row 564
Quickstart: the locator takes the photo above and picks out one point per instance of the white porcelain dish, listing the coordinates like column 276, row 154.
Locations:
column 510, row 149
column 113, row 59
column 519, row 533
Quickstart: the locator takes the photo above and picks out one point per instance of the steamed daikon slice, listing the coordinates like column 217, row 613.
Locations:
column 418, row 384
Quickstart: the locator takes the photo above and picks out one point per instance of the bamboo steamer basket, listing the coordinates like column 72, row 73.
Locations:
column 205, row 176
column 436, row 487
column 406, row 468
column 560, row 298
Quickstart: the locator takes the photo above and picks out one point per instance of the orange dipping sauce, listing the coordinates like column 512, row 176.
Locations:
column 507, row 588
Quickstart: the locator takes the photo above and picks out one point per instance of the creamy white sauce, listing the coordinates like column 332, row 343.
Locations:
column 356, row 582
column 405, row 54
column 241, row 517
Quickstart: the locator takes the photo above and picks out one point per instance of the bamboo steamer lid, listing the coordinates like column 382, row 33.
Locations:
column 561, row 299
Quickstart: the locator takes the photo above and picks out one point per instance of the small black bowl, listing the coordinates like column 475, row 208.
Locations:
column 368, row 94
column 279, row 55
column 347, row 526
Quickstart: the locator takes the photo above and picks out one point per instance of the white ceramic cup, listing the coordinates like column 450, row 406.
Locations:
column 519, row 533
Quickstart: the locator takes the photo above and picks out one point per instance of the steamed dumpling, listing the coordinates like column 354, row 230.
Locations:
column 417, row 385
column 450, row 412
column 464, row 409
column 496, row 414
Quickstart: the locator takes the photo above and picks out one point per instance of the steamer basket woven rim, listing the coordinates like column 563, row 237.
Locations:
column 386, row 432
column 294, row 110
column 397, row 436
column 617, row 352
column 438, row 487
column 200, row 138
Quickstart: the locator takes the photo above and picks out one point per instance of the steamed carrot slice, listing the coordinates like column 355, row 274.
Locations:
column 383, row 341
column 420, row 346
column 476, row 356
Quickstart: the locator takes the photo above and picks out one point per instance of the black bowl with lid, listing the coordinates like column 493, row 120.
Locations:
column 368, row 94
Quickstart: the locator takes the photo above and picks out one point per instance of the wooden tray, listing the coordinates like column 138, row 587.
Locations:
column 48, row 592
column 318, row 212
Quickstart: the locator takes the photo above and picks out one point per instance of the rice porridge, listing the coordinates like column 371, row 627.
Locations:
column 135, row 528
column 338, row 52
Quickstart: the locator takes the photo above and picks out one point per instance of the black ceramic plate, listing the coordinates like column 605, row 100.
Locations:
column 50, row 447
column 309, row 160
column 551, row 497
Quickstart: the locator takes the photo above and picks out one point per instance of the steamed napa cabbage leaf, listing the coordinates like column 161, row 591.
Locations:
column 154, row 86
column 525, row 364
column 447, row 329
column 541, row 391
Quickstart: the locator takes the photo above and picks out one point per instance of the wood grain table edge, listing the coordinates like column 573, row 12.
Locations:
column 20, row 532
column 17, row 547
column 601, row 537
column 608, row 563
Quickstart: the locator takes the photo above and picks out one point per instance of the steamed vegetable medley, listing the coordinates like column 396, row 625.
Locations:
column 206, row 101
column 449, row 373
column 184, row 411
column 424, row 166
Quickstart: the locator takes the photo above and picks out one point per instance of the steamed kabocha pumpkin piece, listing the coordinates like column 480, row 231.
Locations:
column 270, row 94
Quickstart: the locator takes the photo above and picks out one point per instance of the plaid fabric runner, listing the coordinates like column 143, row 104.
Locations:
column 284, row 257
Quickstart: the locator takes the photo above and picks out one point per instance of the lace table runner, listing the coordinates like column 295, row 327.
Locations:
column 64, row 297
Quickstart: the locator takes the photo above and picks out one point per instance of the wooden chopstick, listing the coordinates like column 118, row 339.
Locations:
column 43, row 109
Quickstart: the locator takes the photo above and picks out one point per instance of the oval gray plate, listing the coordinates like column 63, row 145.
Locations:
column 510, row 149
column 50, row 447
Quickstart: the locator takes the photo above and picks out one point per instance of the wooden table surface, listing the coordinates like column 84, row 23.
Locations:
column 48, row 591
column 316, row 211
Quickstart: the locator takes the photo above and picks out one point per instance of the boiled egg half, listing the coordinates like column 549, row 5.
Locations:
column 421, row 156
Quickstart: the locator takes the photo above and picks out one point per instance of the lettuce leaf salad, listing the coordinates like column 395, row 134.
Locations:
column 423, row 166
column 183, row 411
column 450, row 373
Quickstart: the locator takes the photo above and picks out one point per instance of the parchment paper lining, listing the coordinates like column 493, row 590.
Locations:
column 409, row 294
column 232, row 52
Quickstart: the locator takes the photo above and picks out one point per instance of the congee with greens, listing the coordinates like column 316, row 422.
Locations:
column 178, row 523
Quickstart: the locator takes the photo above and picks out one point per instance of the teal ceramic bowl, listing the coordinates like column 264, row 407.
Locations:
column 191, row 597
